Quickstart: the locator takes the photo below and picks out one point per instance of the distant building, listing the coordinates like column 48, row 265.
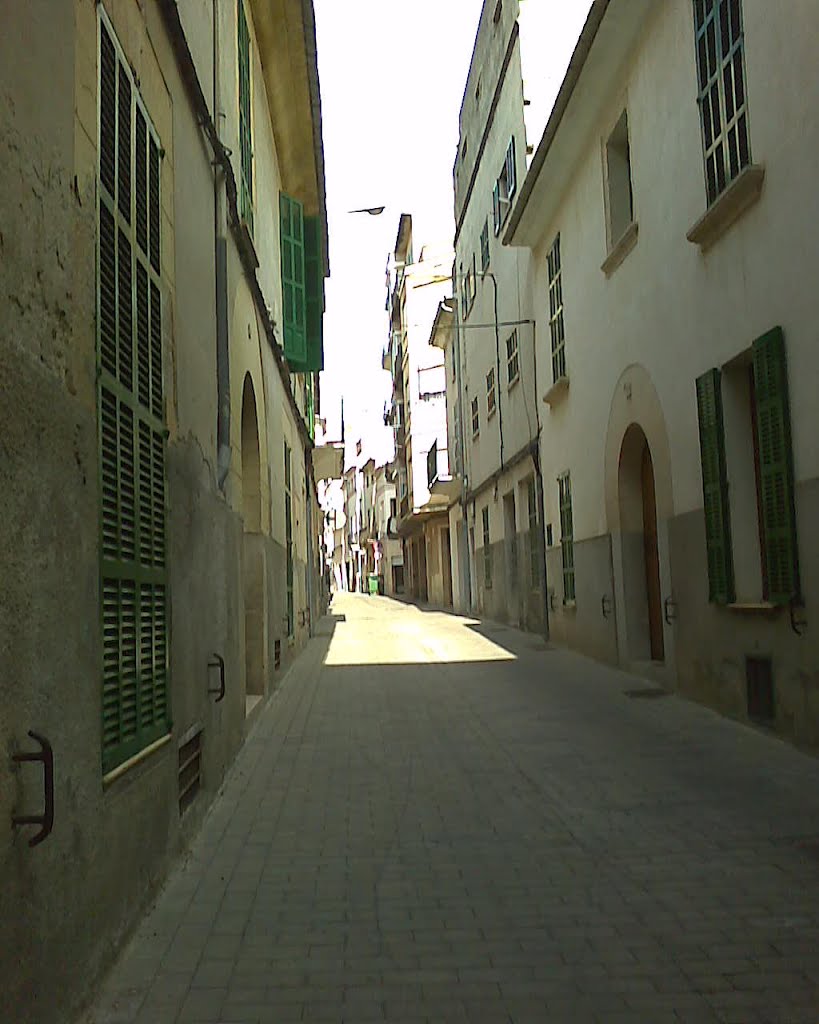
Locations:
column 418, row 414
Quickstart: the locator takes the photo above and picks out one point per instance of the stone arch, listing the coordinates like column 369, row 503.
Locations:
column 639, row 503
column 254, row 582
column 251, row 460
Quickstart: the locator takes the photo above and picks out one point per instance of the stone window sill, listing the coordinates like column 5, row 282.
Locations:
column 743, row 192
column 512, row 382
column 570, row 606
column 491, row 415
column 754, row 607
column 620, row 249
column 557, row 391
column 132, row 762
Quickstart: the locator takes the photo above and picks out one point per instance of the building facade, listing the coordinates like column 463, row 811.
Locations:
column 418, row 410
column 164, row 237
column 669, row 211
column 495, row 524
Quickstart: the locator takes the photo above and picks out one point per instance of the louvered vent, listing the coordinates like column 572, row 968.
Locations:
column 190, row 771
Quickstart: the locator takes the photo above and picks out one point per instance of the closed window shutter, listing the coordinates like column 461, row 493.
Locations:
column 133, row 586
column 291, row 215
column 314, row 291
column 715, row 489
column 776, row 467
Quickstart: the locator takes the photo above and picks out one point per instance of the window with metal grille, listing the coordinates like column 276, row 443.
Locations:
column 534, row 534
column 245, row 119
column 131, row 409
column 566, row 536
column 556, row 327
column 485, row 246
column 490, row 393
column 487, row 550
column 512, row 364
column 288, row 538
column 722, row 98
column 475, row 418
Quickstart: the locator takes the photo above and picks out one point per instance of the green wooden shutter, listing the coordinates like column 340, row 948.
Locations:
column 715, row 489
column 776, row 467
column 314, row 291
column 133, row 580
column 291, row 216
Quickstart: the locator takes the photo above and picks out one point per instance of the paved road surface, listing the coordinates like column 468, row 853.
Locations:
column 438, row 820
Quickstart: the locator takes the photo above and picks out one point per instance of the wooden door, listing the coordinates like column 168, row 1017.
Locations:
column 652, row 558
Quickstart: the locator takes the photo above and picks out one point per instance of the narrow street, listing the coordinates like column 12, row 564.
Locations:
column 440, row 820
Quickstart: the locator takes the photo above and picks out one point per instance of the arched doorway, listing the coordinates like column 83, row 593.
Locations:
column 640, row 549
column 253, row 560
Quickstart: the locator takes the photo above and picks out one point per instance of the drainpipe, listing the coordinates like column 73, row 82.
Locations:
column 220, row 258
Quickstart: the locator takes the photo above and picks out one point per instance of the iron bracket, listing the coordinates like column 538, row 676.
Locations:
column 46, row 819
column 218, row 662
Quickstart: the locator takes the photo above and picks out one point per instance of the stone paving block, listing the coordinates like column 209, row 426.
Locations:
column 478, row 841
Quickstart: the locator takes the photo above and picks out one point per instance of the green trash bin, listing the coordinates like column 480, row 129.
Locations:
column 373, row 581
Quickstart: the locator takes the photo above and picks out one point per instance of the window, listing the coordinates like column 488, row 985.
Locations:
column 490, row 393
column 745, row 447
column 485, row 246
column 245, row 120
column 566, row 537
column 512, row 364
column 302, row 286
column 534, row 534
column 469, row 289
column 556, row 328
column 505, row 188
column 487, row 550
column 475, row 420
column 722, row 100
column 131, row 410
column 620, row 197
column 288, row 537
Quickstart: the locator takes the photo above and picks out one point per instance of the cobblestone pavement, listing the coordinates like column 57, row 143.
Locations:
column 438, row 820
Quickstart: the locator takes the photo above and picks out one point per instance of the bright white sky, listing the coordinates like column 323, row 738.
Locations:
column 392, row 78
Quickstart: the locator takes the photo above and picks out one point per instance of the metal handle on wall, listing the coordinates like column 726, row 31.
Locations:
column 219, row 663
column 46, row 819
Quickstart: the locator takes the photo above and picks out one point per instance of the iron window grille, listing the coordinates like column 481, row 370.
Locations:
column 487, row 550
column 722, row 94
column 567, row 537
column 512, row 362
column 490, row 392
column 556, row 325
